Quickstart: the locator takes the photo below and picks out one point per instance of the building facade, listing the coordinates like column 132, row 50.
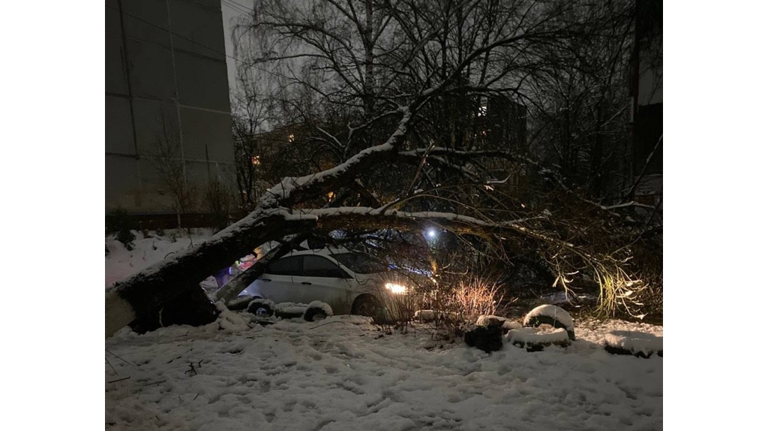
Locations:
column 166, row 88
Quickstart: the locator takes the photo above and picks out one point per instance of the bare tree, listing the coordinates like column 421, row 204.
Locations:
column 168, row 161
column 218, row 201
column 251, row 107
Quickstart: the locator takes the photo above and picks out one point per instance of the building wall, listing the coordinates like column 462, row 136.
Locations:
column 165, row 68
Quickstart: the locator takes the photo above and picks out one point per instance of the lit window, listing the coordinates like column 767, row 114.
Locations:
column 256, row 160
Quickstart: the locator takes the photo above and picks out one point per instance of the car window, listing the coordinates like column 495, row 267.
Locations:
column 360, row 263
column 316, row 266
column 285, row 266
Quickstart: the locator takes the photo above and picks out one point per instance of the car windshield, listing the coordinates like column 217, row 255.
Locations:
column 360, row 263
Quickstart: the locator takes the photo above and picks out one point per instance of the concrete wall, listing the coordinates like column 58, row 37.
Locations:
column 165, row 65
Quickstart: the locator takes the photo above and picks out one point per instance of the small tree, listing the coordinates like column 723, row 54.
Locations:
column 168, row 160
column 218, row 201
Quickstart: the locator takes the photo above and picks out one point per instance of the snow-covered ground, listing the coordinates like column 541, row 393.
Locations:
column 345, row 374
column 121, row 263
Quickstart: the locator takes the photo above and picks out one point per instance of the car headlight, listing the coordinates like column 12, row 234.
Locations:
column 396, row 288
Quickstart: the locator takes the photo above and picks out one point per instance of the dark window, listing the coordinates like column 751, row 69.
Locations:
column 360, row 263
column 316, row 266
column 286, row 266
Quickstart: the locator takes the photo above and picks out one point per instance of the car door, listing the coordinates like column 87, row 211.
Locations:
column 322, row 280
column 278, row 284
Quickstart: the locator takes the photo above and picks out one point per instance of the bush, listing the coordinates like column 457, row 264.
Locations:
column 460, row 302
column 399, row 310
column 120, row 224
column 218, row 200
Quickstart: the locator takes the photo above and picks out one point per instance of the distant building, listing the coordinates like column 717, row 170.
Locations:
column 646, row 91
column 165, row 71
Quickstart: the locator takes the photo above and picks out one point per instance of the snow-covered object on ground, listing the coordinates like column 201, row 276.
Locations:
column 536, row 338
column 230, row 321
column 349, row 376
column 290, row 308
column 553, row 312
column 321, row 305
column 634, row 343
column 511, row 324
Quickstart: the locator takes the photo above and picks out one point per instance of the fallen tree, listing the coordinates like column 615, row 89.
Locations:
column 170, row 279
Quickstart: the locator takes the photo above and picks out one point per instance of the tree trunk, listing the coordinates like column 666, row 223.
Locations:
column 167, row 281
column 230, row 290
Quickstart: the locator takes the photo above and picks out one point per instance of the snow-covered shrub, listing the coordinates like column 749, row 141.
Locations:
column 456, row 303
column 475, row 296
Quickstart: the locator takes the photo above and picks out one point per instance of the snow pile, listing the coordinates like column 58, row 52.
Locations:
column 634, row 342
column 323, row 306
column 511, row 324
column 230, row 321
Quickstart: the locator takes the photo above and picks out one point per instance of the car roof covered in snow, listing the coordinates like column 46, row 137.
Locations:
column 321, row 251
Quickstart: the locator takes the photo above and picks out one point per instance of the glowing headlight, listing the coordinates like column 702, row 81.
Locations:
column 396, row 288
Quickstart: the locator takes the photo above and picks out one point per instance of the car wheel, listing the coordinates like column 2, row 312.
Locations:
column 261, row 307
